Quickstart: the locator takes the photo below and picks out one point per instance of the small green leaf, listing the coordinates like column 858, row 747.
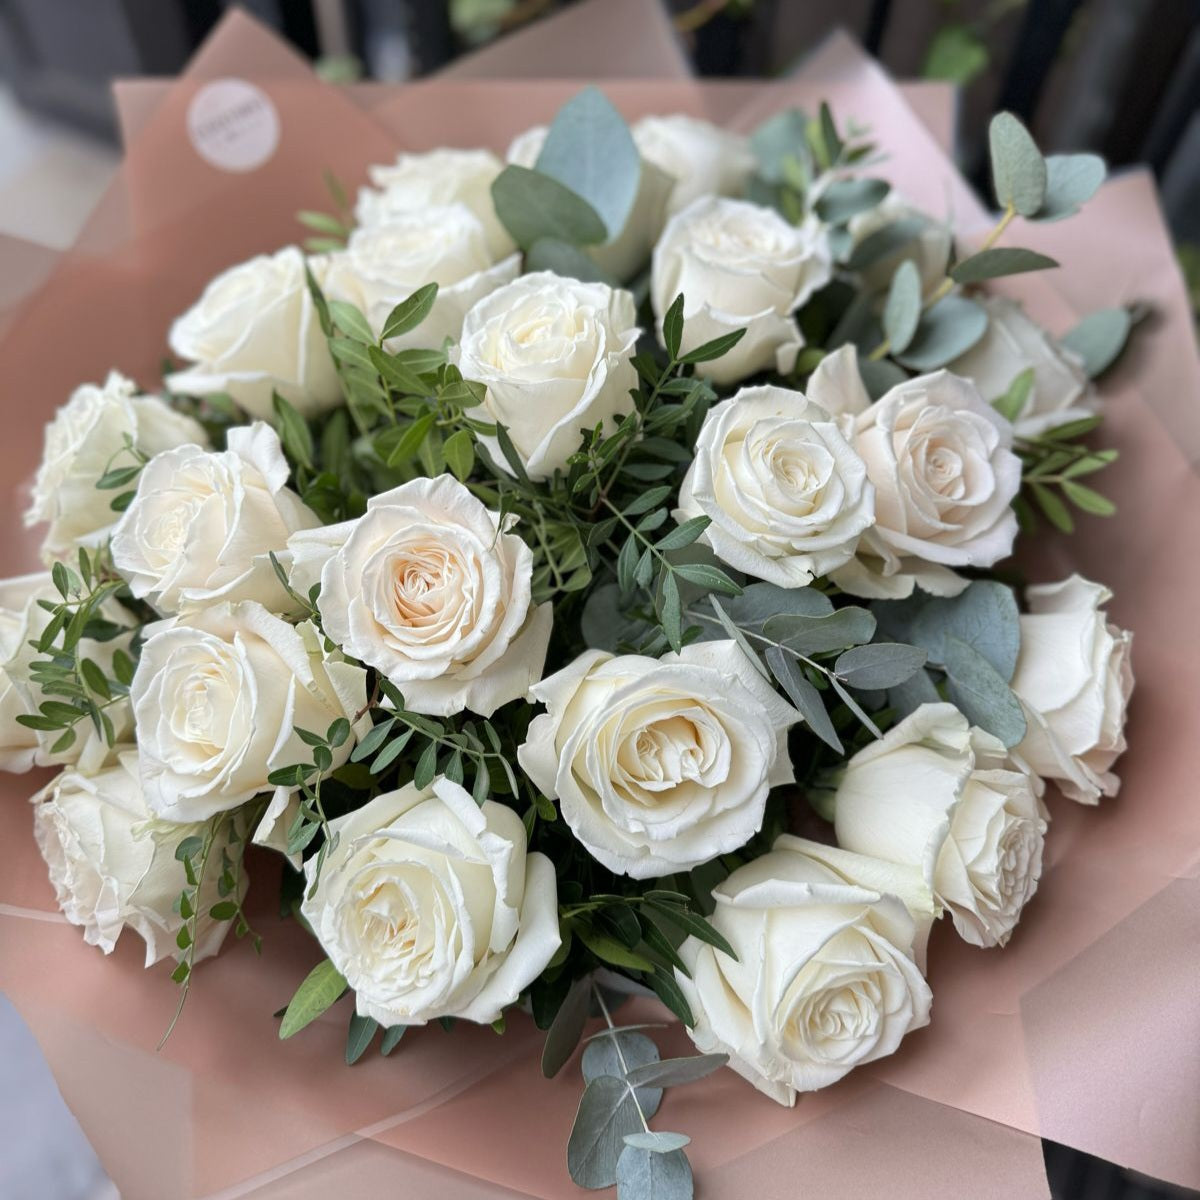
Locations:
column 409, row 313
column 846, row 198
column 902, row 311
column 999, row 261
column 459, row 449
column 391, row 1038
column 1099, row 338
column 804, row 696
column 294, row 433
column 611, row 951
column 426, row 766
column 1071, row 180
column 1088, row 500
column 532, row 206
column 359, row 1037
column 1018, row 168
column 981, row 694
column 673, row 327
column 1012, row 404
column 350, row 321
column 224, row 910
column 946, row 330
column 672, row 1072
column 322, row 987
column 567, row 1028
column 879, row 665
column 684, row 535
column 714, row 349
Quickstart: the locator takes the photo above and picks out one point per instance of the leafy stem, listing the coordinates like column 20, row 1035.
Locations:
column 620, row 1055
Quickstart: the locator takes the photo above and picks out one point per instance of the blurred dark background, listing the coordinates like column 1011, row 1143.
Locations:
column 1119, row 77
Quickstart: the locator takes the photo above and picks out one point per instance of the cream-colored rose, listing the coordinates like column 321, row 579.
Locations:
column 943, row 796
column 627, row 251
column 928, row 247
column 659, row 765
column 203, row 524
column 113, row 864
column 555, row 355
column 217, row 697
column 1074, row 677
column 430, row 906
column 826, row 976
column 787, row 494
column 702, row 158
column 383, row 264
column 22, row 622
column 739, row 266
column 416, row 182
column 941, row 460
column 837, row 385
column 1012, row 344
column 430, row 589
column 87, row 437
column 255, row 331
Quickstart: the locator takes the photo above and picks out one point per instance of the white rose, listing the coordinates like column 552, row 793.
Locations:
column 216, row 699
column 659, row 764
column 22, row 621
column 941, row 795
column 837, row 385
column 87, row 437
column 626, row 252
column 203, row 524
column 430, row 589
column 383, row 264
column 702, row 158
column 1012, row 344
column 431, row 907
column 113, row 865
column 555, row 355
column 941, row 460
column 739, row 265
column 826, row 977
column 415, row 182
column 253, row 332
column 786, row 493
column 929, row 247
column 1074, row 678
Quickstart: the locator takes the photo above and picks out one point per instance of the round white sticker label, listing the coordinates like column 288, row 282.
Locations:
column 233, row 125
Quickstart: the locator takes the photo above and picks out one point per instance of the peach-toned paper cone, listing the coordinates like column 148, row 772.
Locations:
column 1083, row 1030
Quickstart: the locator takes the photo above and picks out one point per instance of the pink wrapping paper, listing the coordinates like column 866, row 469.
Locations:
column 1083, row 1030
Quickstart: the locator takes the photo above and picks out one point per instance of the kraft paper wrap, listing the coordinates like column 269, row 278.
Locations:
column 1084, row 1030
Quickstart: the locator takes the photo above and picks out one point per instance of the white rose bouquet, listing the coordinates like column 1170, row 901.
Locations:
column 529, row 563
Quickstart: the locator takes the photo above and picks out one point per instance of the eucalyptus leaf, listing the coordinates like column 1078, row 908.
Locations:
column 946, row 330
column 984, row 614
column 999, row 261
column 1018, row 168
column 840, row 629
column 659, row 1143
column 590, row 150
column 601, row 1057
column 567, row 1028
column 672, row 1072
column 607, row 1113
column 879, row 665
column 532, row 206
column 902, row 311
column 846, row 198
column 1071, row 180
column 908, row 696
column 1099, row 338
column 761, row 601
column 778, row 139
column 804, row 696
column 880, row 376
column 981, row 694
column 553, row 254
column 643, row 1174
column 882, row 242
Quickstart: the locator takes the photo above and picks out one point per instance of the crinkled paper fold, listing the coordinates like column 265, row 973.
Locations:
column 1084, row 1030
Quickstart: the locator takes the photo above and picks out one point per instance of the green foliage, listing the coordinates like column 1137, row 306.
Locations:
column 611, row 1140
column 323, row 986
column 1054, row 464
